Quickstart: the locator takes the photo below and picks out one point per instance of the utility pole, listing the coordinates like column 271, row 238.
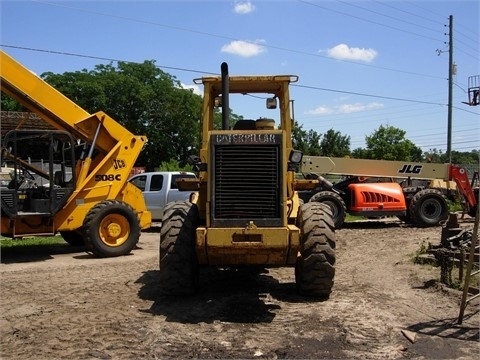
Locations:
column 450, row 89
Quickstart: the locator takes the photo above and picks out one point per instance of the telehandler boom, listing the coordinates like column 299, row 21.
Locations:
column 74, row 179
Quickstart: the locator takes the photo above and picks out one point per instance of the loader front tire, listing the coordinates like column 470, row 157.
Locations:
column 428, row 208
column 314, row 270
column 178, row 262
column 112, row 228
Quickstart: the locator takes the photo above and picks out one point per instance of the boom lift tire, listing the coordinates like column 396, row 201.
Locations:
column 336, row 204
column 428, row 208
column 314, row 270
column 74, row 238
column 178, row 261
column 112, row 228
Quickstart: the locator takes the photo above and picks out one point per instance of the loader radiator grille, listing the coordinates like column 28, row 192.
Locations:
column 247, row 184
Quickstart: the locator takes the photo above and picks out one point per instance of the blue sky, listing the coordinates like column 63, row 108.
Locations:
column 361, row 64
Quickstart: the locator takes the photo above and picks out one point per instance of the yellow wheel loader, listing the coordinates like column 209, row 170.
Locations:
column 245, row 209
column 72, row 179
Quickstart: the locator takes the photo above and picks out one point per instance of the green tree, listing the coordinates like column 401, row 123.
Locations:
column 299, row 138
column 471, row 157
column 307, row 142
column 335, row 144
column 144, row 99
column 8, row 104
column 389, row 143
column 360, row 153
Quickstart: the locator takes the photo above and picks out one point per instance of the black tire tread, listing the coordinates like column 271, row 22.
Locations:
column 315, row 270
column 417, row 217
column 341, row 209
column 178, row 263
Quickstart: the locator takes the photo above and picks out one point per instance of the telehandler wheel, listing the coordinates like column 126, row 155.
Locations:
column 335, row 202
column 74, row 238
column 428, row 208
column 112, row 228
column 314, row 270
column 178, row 261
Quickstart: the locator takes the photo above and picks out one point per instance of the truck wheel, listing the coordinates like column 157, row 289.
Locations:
column 314, row 270
column 428, row 207
column 74, row 238
column 335, row 202
column 112, row 228
column 178, row 261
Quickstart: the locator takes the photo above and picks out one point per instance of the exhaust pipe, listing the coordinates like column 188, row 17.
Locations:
column 225, row 97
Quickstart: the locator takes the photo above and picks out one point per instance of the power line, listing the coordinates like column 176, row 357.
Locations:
column 366, row 20
column 368, row 95
column 178, row 28
column 407, row 12
column 211, row 73
column 392, row 17
column 102, row 58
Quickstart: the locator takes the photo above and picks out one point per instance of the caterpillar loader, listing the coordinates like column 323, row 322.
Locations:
column 247, row 211
column 416, row 193
column 71, row 179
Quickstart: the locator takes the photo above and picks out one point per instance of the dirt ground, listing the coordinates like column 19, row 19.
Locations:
column 59, row 302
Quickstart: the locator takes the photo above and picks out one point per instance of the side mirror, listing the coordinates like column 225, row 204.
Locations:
column 218, row 101
column 272, row 103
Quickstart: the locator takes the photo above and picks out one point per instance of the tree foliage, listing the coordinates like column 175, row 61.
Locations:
column 467, row 157
column 389, row 143
column 144, row 99
column 8, row 104
column 335, row 144
column 306, row 141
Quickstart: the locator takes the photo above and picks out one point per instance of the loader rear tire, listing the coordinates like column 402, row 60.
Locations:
column 336, row 204
column 112, row 228
column 74, row 238
column 314, row 270
column 178, row 260
column 428, row 208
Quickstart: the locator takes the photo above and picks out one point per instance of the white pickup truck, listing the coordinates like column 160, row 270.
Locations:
column 159, row 188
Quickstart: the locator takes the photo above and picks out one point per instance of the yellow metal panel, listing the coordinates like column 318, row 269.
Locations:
column 242, row 246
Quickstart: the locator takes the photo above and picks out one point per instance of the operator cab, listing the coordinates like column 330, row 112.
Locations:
column 42, row 175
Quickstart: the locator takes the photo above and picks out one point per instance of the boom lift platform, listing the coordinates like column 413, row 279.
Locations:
column 374, row 188
column 73, row 179
column 473, row 90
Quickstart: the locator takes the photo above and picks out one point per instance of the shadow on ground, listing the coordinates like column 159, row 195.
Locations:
column 247, row 295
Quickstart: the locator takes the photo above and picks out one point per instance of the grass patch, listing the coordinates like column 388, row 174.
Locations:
column 420, row 255
column 8, row 244
column 351, row 218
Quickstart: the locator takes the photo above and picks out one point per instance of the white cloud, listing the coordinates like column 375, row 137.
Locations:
column 321, row 110
column 243, row 7
column 344, row 52
column 195, row 88
column 244, row 48
column 344, row 109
